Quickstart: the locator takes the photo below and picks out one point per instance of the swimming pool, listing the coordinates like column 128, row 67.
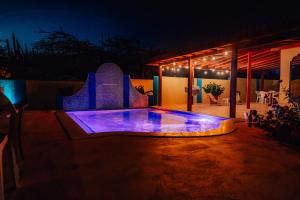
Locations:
column 151, row 122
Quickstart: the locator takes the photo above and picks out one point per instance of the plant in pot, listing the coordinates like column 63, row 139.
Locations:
column 215, row 90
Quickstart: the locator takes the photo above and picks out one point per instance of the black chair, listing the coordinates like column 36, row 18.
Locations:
column 14, row 153
column 4, row 140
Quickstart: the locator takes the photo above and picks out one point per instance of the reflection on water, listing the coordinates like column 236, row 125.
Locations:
column 143, row 120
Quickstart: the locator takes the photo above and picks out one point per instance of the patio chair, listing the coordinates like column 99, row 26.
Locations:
column 258, row 96
column 238, row 98
column 3, row 143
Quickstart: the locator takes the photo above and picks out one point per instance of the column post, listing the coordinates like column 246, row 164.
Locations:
column 190, row 85
column 249, row 78
column 160, row 86
column 233, row 78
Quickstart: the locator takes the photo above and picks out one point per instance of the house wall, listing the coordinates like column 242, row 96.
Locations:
column 147, row 83
column 295, row 87
column 286, row 56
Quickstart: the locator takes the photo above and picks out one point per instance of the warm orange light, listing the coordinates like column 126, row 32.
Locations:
column 213, row 58
column 226, row 53
column 204, row 59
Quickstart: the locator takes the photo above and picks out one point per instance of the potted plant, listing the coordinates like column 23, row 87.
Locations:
column 215, row 90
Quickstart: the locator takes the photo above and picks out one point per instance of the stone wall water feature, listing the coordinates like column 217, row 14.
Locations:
column 108, row 88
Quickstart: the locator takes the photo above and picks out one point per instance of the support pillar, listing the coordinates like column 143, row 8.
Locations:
column 190, row 85
column 233, row 77
column 249, row 78
column 262, row 81
column 160, row 86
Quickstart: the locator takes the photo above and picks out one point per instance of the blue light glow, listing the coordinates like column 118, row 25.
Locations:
column 13, row 89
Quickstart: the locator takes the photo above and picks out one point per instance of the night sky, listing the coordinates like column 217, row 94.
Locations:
column 155, row 24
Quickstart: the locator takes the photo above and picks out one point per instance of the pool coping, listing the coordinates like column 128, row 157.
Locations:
column 75, row 132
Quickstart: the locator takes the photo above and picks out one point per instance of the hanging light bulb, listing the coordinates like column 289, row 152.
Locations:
column 163, row 69
column 204, row 59
column 195, row 62
column 205, row 72
column 227, row 71
column 212, row 70
column 222, row 73
column 168, row 68
column 186, row 67
column 213, row 58
column 226, row 53
column 178, row 69
column 179, row 66
column 174, row 63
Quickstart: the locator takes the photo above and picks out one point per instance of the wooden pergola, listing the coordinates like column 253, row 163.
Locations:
column 258, row 54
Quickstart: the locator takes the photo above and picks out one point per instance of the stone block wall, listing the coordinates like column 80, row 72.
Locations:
column 106, row 89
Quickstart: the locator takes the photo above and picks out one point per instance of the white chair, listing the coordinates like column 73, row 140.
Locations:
column 263, row 97
column 258, row 97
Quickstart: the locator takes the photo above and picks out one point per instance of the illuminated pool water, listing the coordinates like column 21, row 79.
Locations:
column 144, row 120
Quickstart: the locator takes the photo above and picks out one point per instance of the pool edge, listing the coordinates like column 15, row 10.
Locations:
column 75, row 132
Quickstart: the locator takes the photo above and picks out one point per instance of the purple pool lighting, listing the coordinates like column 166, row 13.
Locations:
column 144, row 120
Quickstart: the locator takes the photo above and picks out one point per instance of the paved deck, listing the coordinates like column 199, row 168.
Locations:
column 220, row 110
column 241, row 165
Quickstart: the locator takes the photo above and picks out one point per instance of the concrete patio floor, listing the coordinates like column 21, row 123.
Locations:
column 220, row 110
column 242, row 165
